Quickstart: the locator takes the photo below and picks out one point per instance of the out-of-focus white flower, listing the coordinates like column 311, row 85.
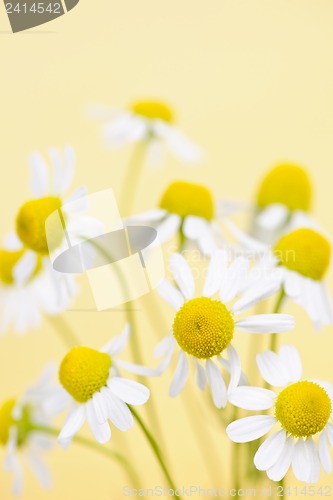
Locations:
column 150, row 121
column 203, row 328
column 21, row 429
column 97, row 391
column 303, row 408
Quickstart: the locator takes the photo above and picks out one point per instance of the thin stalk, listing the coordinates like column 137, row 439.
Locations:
column 132, row 176
column 277, row 308
column 236, row 466
column 89, row 443
column 155, row 448
column 64, row 331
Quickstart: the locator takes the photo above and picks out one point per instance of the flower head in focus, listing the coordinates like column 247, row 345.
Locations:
column 203, row 328
column 21, row 428
column 148, row 121
column 303, row 410
column 284, row 193
column 97, row 391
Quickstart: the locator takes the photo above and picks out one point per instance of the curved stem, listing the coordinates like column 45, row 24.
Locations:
column 89, row 443
column 64, row 331
column 132, row 178
column 277, row 308
column 155, row 448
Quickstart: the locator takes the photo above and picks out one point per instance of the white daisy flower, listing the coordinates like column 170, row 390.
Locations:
column 303, row 410
column 150, row 121
column 23, row 303
column 204, row 327
column 302, row 257
column 98, row 392
column 188, row 210
column 20, row 424
column 284, row 193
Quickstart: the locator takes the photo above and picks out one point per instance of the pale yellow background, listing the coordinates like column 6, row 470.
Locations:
column 251, row 81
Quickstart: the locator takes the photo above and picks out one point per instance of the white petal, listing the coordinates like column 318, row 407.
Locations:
column 101, row 432
column 39, row 175
column 119, row 413
column 245, row 239
column 267, row 323
column 235, row 368
column 183, row 275
column 300, row 462
column 217, row 384
column 216, row 270
column 169, row 227
column 324, row 453
column 329, row 429
column 40, row 470
column 233, row 279
column 117, row 344
column 12, row 242
column 170, row 293
column 153, row 215
column 129, row 391
column 313, row 455
column 290, row 357
column 178, row 143
column 272, row 369
column 139, row 369
column 250, row 428
column 273, row 216
column 252, row 398
column 73, row 424
column 201, row 375
column 163, row 347
column 194, row 227
column 100, row 406
column 281, row 467
column 270, row 450
column 25, row 267
column 255, row 295
column 292, row 284
column 181, row 375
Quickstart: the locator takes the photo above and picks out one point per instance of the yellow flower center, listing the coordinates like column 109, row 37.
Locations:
column 203, row 327
column 30, row 223
column 303, row 409
column 304, row 251
column 153, row 110
column 287, row 184
column 6, row 420
column 84, row 371
column 184, row 198
column 8, row 260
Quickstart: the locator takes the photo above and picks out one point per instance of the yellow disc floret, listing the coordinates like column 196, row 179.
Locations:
column 203, row 327
column 184, row 198
column 304, row 251
column 287, row 184
column 8, row 260
column 30, row 223
column 153, row 110
column 84, row 371
column 6, row 420
column 303, row 409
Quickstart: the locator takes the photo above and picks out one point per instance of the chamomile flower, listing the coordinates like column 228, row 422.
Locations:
column 285, row 193
column 24, row 300
column 203, row 327
column 97, row 391
column 303, row 257
column 303, row 411
column 186, row 209
column 151, row 121
column 21, row 424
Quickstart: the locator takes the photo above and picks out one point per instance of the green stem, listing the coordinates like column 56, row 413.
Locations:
column 88, row 443
column 132, row 178
column 277, row 308
column 155, row 448
column 64, row 331
column 236, row 465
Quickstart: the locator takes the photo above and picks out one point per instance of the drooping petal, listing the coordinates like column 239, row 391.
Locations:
column 270, row 450
column 216, row 270
column 281, row 467
column 100, row 431
column 181, row 375
column 40, row 470
column 313, row 455
column 250, row 428
column 324, row 453
column 217, row 384
column 201, row 378
column 119, row 413
column 272, row 369
column 73, row 424
column 25, row 267
column 301, row 463
column 235, row 368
